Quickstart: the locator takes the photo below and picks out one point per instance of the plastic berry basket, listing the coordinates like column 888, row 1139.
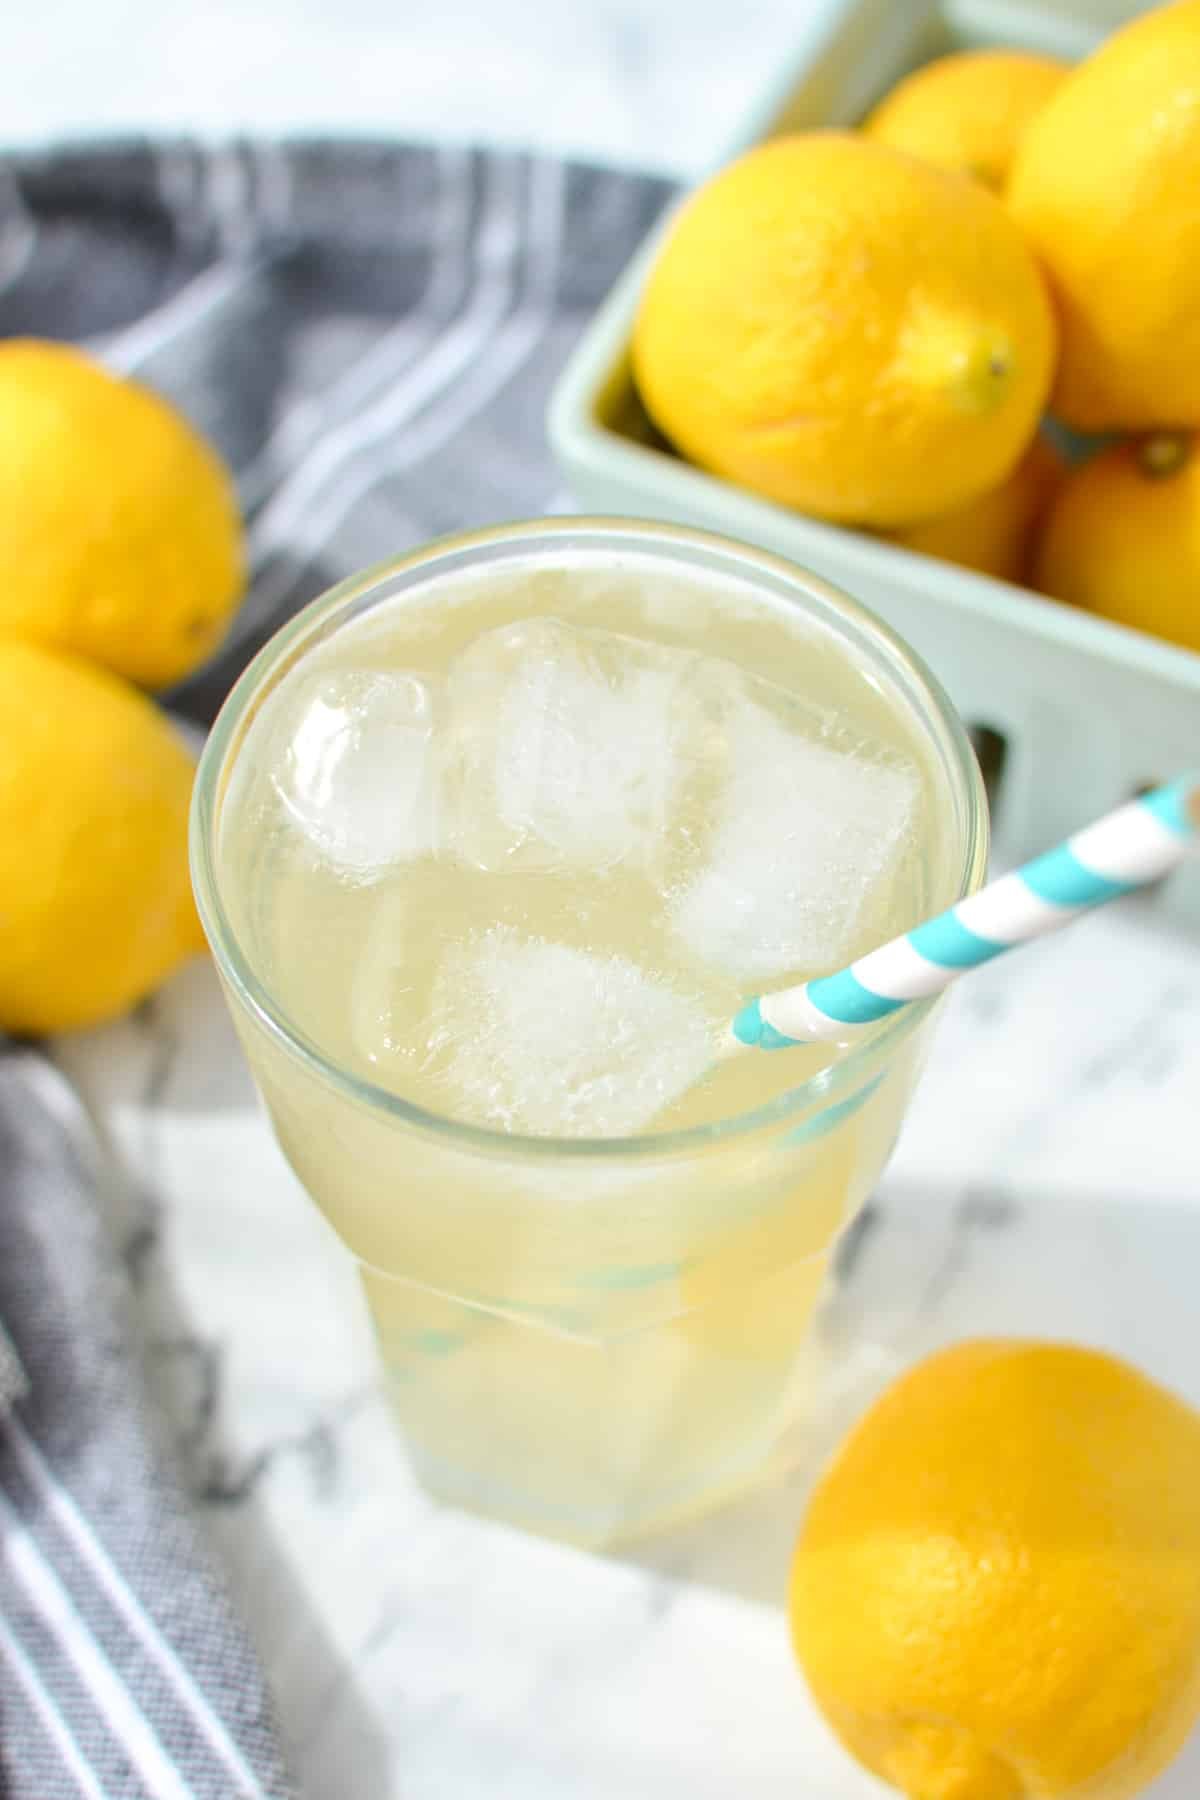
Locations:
column 1077, row 713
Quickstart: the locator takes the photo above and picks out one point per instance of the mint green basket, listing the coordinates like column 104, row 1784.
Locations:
column 1083, row 713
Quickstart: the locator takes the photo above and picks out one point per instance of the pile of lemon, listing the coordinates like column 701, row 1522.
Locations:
column 871, row 326
column 122, row 560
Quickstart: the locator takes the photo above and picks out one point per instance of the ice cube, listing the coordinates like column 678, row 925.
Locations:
column 564, row 747
column 806, row 843
column 542, row 1038
column 355, row 772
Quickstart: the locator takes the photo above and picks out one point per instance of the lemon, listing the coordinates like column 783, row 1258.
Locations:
column 968, row 111
column 996, row 1592
column 993, row 534
column 847, row 330
column 1123, row 538
column 95, row 905
column 119, row 535
column 1105, row 184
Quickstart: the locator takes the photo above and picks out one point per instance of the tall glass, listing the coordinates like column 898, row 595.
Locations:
column 589, row 1337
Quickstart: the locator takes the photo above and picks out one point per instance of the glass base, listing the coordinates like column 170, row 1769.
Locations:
column 623, row 1521
column 599, row 1441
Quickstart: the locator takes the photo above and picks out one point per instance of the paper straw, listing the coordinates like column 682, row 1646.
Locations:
column 1136, row 844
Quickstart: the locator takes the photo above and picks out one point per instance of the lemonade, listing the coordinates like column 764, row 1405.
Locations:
column 491, row 846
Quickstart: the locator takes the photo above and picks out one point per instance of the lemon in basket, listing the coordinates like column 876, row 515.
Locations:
column 1106, row 184
column 847, row 330
column 119, row 534
column 995, row 533
column 996, row 1591
column 94, row 892
column 968, row 111
column 1122, row 538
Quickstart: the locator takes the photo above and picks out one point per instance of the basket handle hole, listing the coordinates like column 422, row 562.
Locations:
column 991, row 749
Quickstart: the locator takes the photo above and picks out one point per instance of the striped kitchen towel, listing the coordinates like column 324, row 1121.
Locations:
column 369, row 333
column 122, row 1669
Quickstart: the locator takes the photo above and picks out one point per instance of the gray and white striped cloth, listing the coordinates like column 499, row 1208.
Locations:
column 369, row 332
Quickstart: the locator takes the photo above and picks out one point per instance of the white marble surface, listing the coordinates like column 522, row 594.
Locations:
column 653, row 82
column 1048, row 1180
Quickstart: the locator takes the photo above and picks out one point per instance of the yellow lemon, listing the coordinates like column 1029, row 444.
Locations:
column 994, row 533
column 967, row 112
column 95, row 902
column 119, row 533
column 846, row 330
column 996, row 1592
column 1123, row 538
column 1105, row 185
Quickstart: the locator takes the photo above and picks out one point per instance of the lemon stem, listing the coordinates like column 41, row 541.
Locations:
column 1164, row 454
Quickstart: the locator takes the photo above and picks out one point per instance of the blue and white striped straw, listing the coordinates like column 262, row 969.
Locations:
column 1136, row 844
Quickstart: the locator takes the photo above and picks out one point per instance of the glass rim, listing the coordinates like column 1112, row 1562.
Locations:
column 284, row 648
